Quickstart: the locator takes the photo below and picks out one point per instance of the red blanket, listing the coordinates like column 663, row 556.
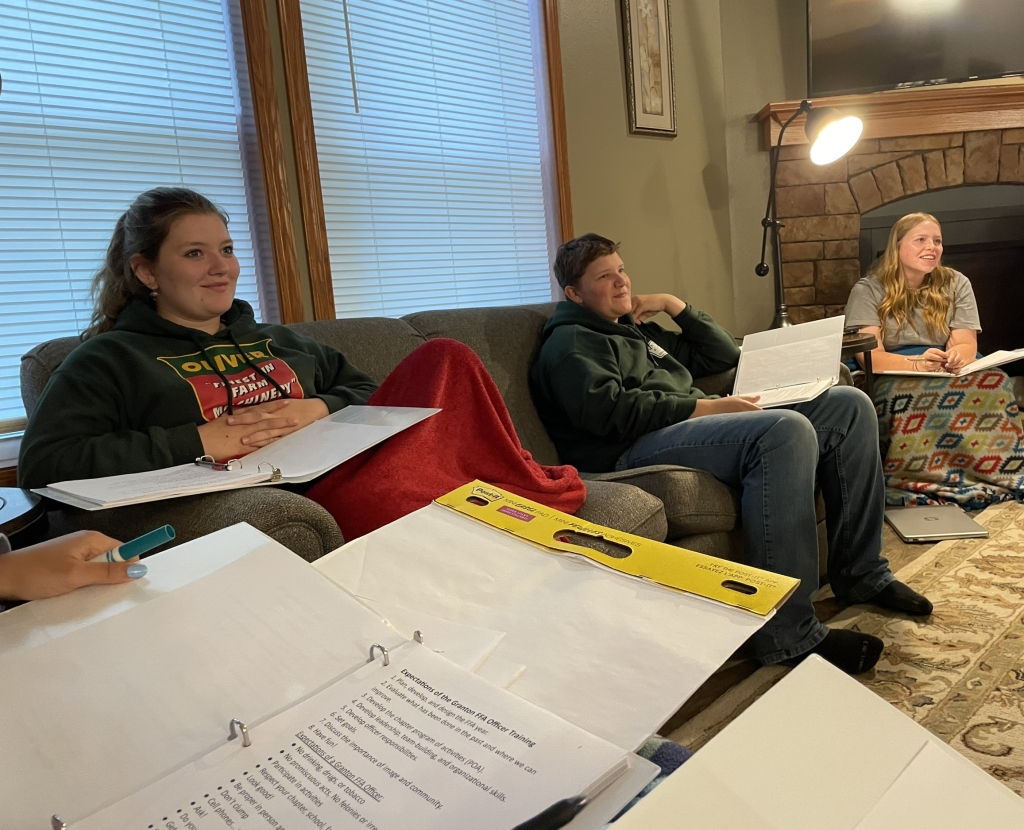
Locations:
column 472, row 437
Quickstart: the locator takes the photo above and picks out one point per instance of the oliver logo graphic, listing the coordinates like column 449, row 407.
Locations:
column 248, row 386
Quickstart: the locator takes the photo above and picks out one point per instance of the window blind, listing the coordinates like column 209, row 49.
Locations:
column 429, row 141
column 101, row 100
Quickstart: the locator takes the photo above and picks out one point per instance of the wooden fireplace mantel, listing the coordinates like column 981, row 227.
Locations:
column 911, row 112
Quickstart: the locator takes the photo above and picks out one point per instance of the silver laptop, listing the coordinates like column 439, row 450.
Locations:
column 927, row 523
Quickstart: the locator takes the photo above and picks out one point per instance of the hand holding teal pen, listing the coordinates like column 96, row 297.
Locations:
column 60, row 565
column 138, row 546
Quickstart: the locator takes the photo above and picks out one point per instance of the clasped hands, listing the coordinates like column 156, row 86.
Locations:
column 937, row 360
column 252, row 427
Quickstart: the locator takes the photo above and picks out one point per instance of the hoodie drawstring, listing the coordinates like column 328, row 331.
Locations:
column 265, row 375
column 220, row 373
column 224, row 378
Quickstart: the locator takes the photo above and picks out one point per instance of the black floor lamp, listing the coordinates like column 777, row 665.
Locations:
column 831, row 136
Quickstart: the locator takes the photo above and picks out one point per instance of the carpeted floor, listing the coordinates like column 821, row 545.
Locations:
column 959, row 673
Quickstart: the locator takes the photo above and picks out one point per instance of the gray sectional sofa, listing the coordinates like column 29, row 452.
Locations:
column 686, row 507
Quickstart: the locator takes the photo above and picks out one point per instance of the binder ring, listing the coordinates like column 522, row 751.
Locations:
column 242, row 728
column 275, row 473
column 57, row 823
column 383, row 651
column 417, row 635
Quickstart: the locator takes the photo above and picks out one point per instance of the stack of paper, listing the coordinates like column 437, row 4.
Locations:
column 821, row 750
column 611, row 653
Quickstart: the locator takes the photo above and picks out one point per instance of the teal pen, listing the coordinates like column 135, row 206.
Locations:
column 138, row 546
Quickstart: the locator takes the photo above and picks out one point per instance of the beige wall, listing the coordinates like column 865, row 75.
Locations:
column 687, row 209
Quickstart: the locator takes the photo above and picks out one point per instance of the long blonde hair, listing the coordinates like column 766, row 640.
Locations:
column 934, row 296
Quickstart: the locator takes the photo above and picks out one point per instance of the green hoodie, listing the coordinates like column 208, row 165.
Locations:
column 131, row 399
column 599, row 386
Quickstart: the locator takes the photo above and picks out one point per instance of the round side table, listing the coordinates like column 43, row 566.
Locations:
column 22, row 516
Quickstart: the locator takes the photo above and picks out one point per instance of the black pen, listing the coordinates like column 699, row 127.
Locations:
column 558, row 814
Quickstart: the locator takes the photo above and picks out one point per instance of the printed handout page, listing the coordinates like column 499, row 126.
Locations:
column 103, row 710
column 566, row 621
column 790, row 365
column 418, row 743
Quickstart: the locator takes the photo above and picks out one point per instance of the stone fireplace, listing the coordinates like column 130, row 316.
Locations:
column 915, row 142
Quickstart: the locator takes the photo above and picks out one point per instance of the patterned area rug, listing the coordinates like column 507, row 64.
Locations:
column 960, row 673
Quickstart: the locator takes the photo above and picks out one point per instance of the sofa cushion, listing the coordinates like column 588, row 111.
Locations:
column 38, row 364
column 299, row 524
column 374, row 344
column 695, row 501
column 721, row 384
column 626, row 508
column 505, row 340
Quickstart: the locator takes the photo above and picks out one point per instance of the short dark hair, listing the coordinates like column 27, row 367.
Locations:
column 575, row 256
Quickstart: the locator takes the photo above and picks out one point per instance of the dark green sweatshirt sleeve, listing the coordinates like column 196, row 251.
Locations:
column 590, row 390
column 701, row 345
column 338, row 382
column 79, row 430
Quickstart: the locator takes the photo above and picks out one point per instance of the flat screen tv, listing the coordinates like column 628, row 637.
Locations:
column 867, row 45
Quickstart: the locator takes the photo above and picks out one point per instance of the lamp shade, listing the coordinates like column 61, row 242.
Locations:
column 831, row 133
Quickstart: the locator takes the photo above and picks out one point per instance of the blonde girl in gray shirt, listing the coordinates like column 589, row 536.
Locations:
column 909, row 299
column 944, row 439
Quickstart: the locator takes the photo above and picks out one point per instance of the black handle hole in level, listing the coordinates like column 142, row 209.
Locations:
column 598, row 543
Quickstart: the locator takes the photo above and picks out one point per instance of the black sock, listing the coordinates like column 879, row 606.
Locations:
column 851, row 651
column 899, row 597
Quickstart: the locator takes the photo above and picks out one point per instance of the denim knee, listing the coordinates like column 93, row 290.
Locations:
column 791, row 430
column 858, row 408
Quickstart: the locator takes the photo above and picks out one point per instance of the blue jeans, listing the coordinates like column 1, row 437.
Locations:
column 774, row 457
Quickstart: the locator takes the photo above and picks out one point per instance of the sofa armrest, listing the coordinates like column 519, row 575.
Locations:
column 299, row 524
column 623, row 507
column 695, row 501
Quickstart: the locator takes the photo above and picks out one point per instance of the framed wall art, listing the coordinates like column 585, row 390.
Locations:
column 647, row 39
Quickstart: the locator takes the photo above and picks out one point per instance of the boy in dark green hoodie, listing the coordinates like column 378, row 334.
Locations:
column 616, row 392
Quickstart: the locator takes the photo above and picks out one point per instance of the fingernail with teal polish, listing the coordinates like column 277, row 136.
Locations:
column 135, row 571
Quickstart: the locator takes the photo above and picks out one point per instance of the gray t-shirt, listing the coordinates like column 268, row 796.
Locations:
column 868, row 293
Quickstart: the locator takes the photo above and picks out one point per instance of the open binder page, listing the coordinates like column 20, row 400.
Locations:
column 104, row 710
column 417, row 743
column 790, row 365
column 989, row 361
column 610, row 653
column 43, row 620
column 324, row 444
